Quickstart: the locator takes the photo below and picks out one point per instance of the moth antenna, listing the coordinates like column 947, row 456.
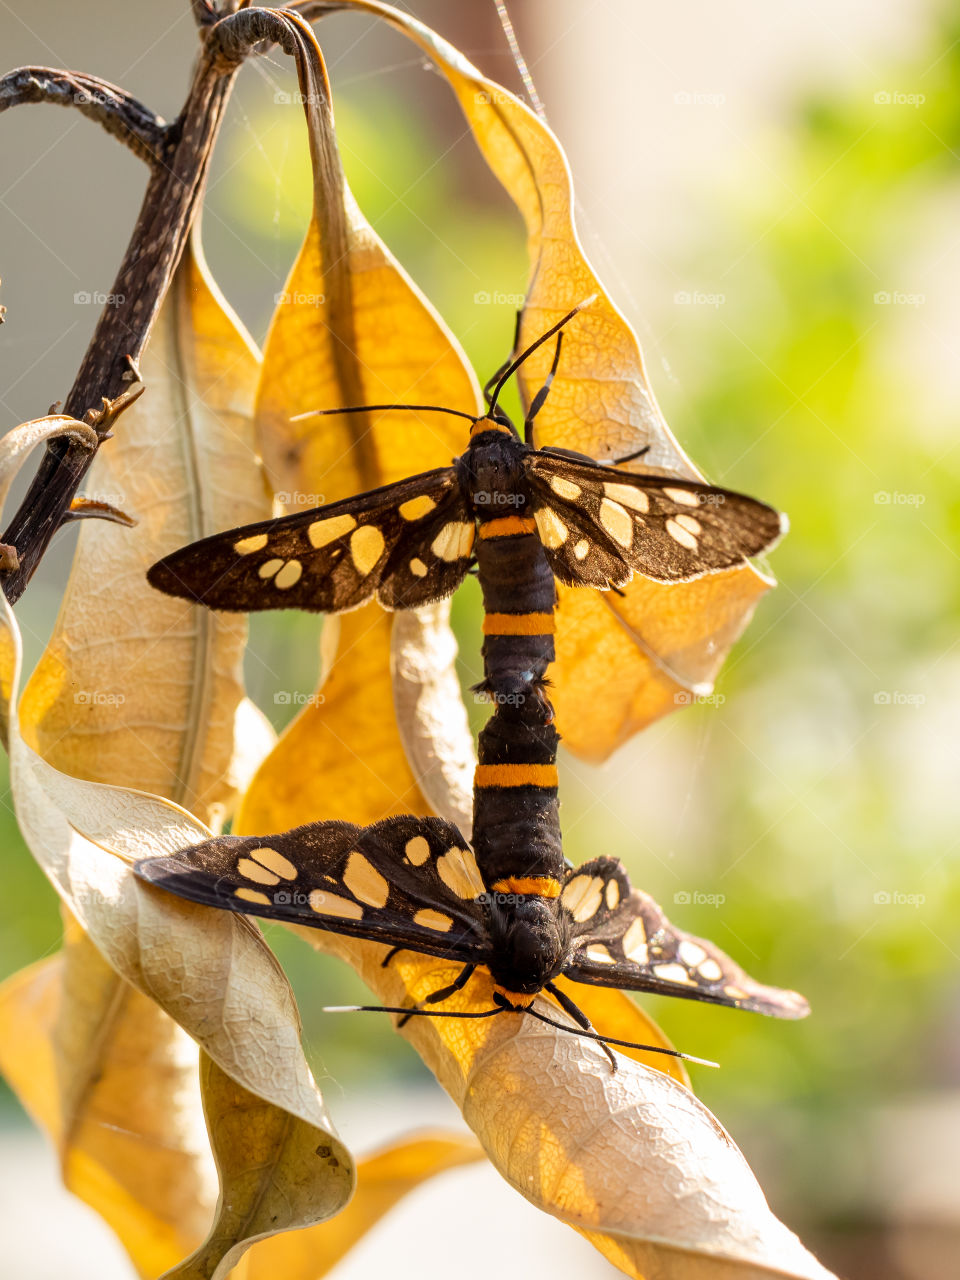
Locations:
column 412, row 1013
column 623, row 1044
column 512, row 368
column 384, row 408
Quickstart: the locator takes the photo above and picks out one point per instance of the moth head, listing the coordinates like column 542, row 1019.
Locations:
column 529, row 942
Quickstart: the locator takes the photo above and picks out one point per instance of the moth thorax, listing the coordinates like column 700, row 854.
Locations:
column 528, row 942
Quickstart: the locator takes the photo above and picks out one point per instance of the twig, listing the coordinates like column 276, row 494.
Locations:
column 117, row 111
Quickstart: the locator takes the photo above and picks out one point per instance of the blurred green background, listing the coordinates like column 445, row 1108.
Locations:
column 794, row 289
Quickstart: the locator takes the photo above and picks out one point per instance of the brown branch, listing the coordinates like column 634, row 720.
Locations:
column 169, row 207
column 117, row 111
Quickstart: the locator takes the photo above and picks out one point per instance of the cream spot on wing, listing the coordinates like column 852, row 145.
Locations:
column 679, row 534
column 634, row 943
column 252, row 895
column 431, row 919
column 289, row 575
column 581, row 549
column 269, row 568
column 691, row 953
column 458, row 870
column 683, row 496
column 690, row 523
column 322, row 532
column 251, row 870
column 454, row 541
column 735, row 993
column 365, row 882
column 710, row 970
column 582, row 896
column 553, row 532
column 617, row 522
column 628, row 496
column 417, row 851
column 599, row 953
column 673, row 973
column 275, row 862
column 612, row 894
column 418, row 568
column 565, row 488
column 417, row 508
column 256, row 542
column 366, row 547
column 329, row 904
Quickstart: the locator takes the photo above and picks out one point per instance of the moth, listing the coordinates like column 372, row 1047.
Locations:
column 412, row 542
column 508, row 899
column 414, row 883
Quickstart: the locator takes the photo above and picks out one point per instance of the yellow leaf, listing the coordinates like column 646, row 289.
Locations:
column 342, row 756
column 211, row 972
column 136, row 688
column 383, row 1179
column 629, row 1158
column 667, row 639
column 113, row 1081
column 350, row 328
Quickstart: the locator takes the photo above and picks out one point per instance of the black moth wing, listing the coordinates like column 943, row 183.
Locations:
column 407, row 882
column 409, row 543
column 621, row 938
column 665, row 529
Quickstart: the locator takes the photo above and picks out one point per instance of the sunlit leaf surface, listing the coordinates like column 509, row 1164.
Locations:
column 668, row 641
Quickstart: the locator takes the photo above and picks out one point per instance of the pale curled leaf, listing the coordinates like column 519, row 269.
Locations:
column 669, row 640
column 431, row 716
column 383, row 1179
column 210, row 971
column 136, row 688
column 631, row 1159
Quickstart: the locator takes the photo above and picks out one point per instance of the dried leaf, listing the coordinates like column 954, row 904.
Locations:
column 630, row 1159
column 670, row 640
column 113, row 1082
column 342, row 757
column 351, row 328
column 136, row 688
column 431, row 716
column 383, row 1179
column 210, row 971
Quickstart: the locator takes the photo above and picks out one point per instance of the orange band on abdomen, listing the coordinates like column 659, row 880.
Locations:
column 518, row 624
column 507, row 527
column 542, row 886
column 515, row 775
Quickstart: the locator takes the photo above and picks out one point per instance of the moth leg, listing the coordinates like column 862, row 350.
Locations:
column 580, row 1018
column 384, row 963
column 540, row 397
column 461, row 980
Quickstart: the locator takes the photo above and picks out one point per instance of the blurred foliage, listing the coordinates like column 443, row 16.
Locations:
column 804, row 795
